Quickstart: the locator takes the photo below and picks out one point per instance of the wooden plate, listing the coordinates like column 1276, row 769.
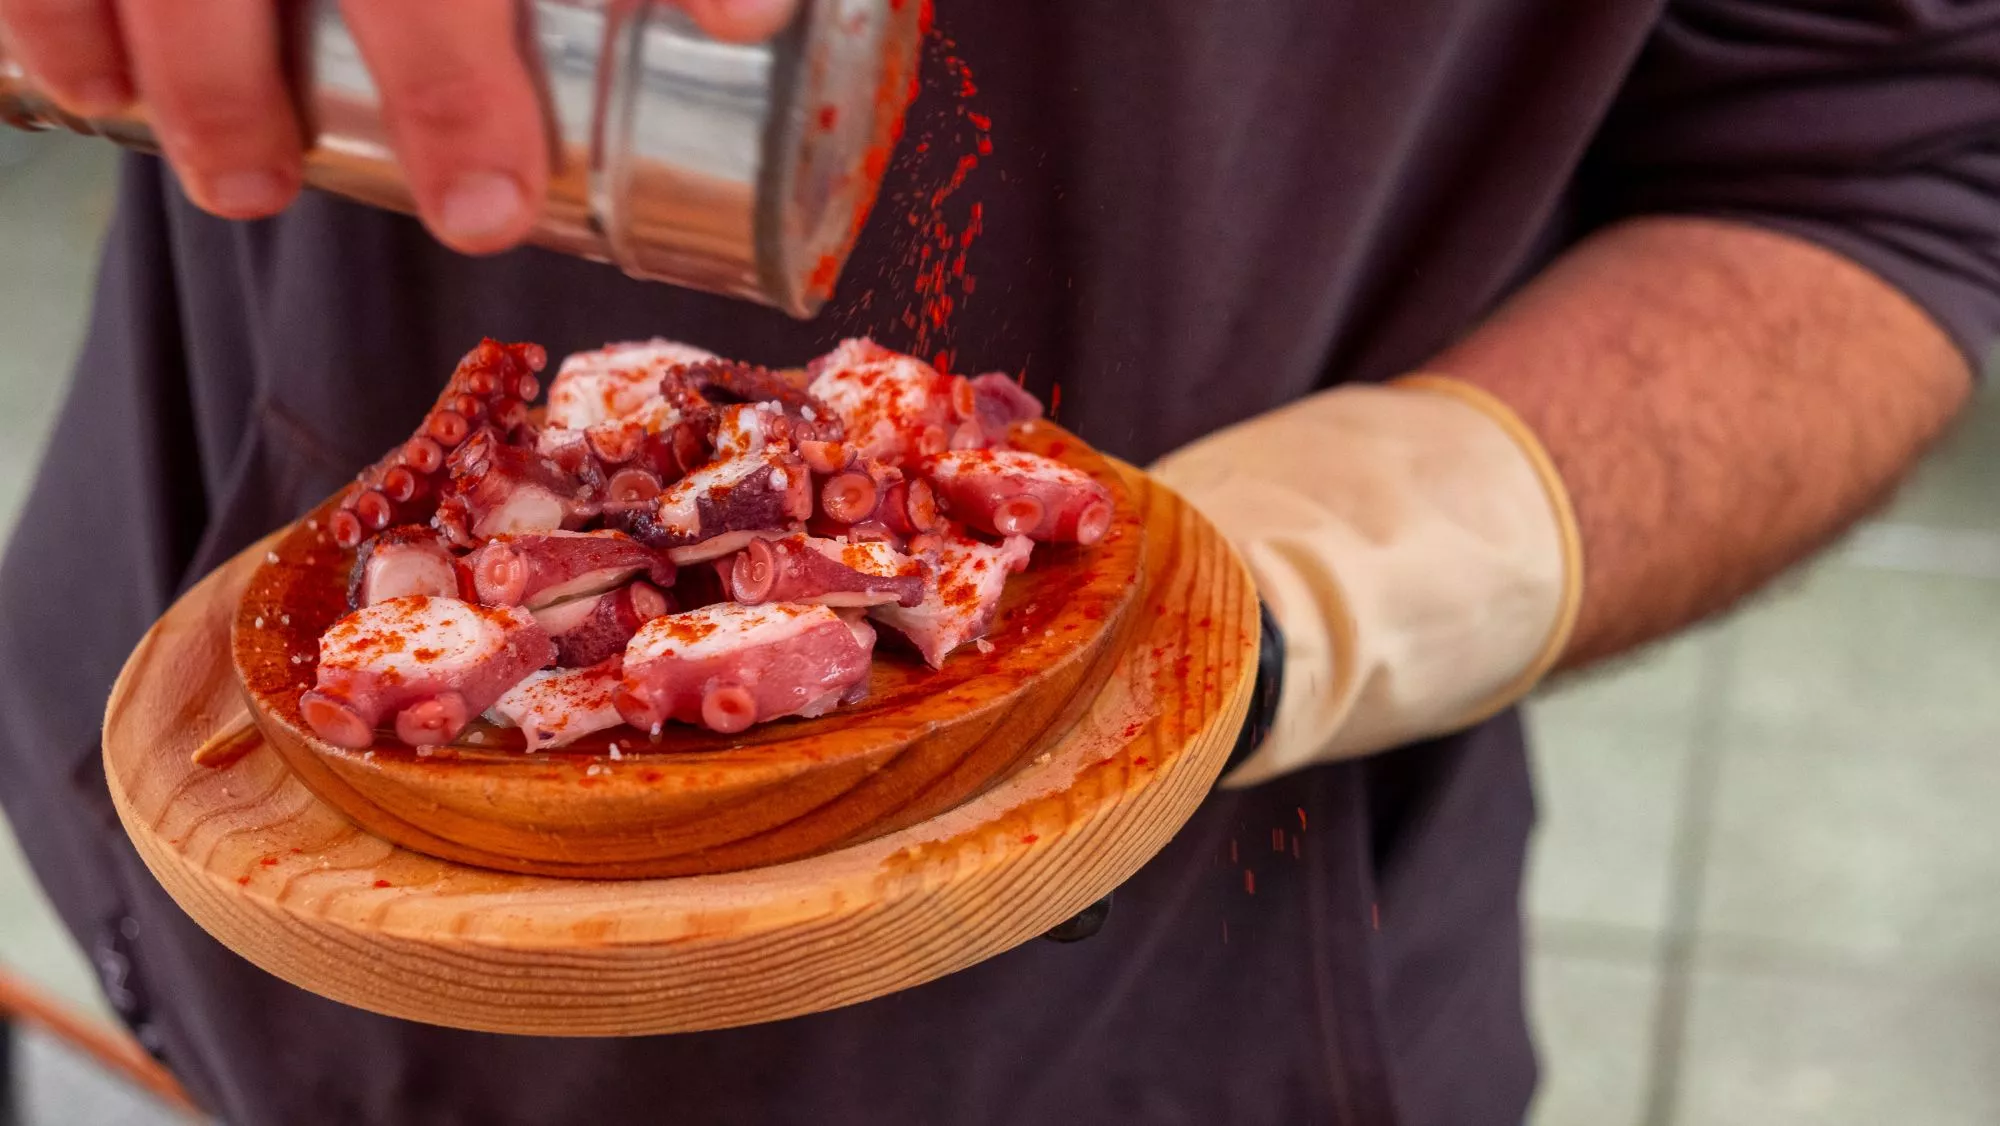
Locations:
column 692, row 801
column 280, row 876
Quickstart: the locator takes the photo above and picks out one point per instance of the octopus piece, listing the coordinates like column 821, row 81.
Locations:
column 431, row 663
column 628, row 480
column 909, row 508
column 540, row 569
column 498, row 489
column 590, row 629
column 727, row 666
column 678, row 450
column 1000, row 404
column 826, row 573
column 723, row 382
column 556, row 707
column 657, row 437
column 614, row 381
column 718, row 508
column 490, row 390
column 1014, row 492
column 621, row 441
column 398, row 562
column 894, row 408
column 748, row 428
column 967, row 579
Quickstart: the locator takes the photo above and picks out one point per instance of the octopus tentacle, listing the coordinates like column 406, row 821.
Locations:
column 430, row 663
column 1014, row 492
column 725, row 381
column 728, row 666
column 500, row 489
column 490, row 388
column 826, row 572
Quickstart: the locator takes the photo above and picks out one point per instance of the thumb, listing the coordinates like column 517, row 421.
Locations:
column 741, row 21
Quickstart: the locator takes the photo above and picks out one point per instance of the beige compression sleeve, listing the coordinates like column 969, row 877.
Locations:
column 1416, row 546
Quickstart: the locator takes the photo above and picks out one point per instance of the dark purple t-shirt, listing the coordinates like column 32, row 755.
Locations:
column 1194, row 212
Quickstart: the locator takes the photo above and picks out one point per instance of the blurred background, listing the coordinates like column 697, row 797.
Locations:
column 1766, row 888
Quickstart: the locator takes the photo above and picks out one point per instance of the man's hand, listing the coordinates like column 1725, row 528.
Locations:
column 461, row 108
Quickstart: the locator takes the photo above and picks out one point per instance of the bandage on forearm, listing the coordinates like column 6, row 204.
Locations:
column 1416, row 547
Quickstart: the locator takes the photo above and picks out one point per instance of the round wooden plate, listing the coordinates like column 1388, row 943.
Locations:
column 284, row 879
column 690, row 801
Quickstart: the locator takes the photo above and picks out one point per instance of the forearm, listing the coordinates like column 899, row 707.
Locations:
column 1720, row 401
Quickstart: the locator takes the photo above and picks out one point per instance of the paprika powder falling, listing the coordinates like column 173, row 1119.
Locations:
column 944, row 234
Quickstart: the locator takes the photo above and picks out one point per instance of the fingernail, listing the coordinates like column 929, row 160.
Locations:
column 246, row 193
column 480, row 205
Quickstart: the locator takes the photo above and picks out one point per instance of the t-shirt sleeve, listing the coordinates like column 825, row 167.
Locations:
column 1869, row 126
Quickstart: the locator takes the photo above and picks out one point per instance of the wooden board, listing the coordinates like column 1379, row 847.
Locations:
column 288, row 882
column 690, row 801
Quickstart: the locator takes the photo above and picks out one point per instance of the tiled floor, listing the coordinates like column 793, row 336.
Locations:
column 1767, row 887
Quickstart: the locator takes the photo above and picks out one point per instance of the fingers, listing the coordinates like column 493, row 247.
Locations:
column 462, row 114
column 210, row 75
column 741, row 21
column 71, row 48
column 457, row 96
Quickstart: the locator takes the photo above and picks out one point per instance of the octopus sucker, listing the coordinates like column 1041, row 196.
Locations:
column 632, row 486
column 849, row 496
column 1018, row 515
column 421, row 455
column 433, row 721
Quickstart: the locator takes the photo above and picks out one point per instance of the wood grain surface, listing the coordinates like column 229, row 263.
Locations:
column 690, row 801
column 288, row 882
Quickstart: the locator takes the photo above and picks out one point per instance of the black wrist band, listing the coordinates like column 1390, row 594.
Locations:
column 1264, row 694
column 1256, row 725
column 1084, row 924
